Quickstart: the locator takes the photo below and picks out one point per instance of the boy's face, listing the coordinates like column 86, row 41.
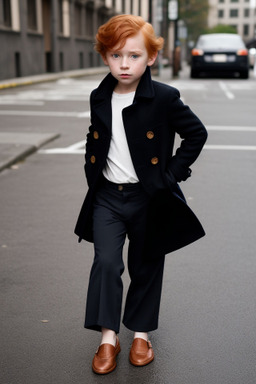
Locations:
column 129, row 63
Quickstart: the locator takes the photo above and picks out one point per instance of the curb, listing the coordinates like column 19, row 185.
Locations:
column 46, row 77
column 21, row 155
column 12, row 153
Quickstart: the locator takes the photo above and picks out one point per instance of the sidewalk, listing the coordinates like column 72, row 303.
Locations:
column 15, row 147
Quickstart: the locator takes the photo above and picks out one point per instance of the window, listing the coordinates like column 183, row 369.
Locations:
column 78, row 20
column 246, row 12
column 101, row 16
column 246, row 29
column 221, row 1
column 221, row 13
column 7, row 13
column 234, row 1
column 61, row 58
column 233, row 13
column 60, row 9
column 91, row 59
column 89, row 22
column 123, row 6
column 17, row 64
column 81, row 60
column 31, row 15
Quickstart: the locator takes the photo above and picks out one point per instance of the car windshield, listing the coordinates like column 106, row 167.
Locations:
column 220, row 42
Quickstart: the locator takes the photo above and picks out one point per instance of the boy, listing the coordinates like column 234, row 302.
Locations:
column 132, row 177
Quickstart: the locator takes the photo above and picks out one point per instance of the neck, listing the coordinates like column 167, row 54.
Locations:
column 122, row 89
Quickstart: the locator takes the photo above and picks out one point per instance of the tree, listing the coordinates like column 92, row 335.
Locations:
column 195, row 15
column 221, row 28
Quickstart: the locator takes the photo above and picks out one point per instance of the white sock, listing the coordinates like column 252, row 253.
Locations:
column 108, row 337
column 141, row 335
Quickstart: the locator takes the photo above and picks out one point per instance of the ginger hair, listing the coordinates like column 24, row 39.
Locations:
column 116, row 30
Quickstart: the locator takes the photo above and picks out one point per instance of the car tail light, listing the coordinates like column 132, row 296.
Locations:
column 242, row 52
column 197, row 52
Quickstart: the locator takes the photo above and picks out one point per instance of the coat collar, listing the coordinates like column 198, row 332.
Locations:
column 144, row 90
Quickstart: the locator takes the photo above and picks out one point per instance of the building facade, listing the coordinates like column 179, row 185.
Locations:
column 38, row 36
column 241, row 14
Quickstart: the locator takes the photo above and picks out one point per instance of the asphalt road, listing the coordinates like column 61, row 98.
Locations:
column 207, row 329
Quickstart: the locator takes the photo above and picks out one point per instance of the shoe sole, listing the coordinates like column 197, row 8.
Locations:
column 141, row 364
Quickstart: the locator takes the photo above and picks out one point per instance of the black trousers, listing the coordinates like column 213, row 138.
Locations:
column 121, row 210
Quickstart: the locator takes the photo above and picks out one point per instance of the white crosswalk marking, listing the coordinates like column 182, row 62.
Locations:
column 230, row 128
column 188, row 86
column 84, row 114
column 231, row 147
column 81, row 115
column 242, row 86
column 80, row 90
column 64, row 89
column 76, row 149
column 21, row 102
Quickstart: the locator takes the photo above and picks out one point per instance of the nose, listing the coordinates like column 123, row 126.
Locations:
column 124, row 63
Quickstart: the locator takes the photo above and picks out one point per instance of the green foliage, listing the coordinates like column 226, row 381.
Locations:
column 195, row 15
column 221, row 28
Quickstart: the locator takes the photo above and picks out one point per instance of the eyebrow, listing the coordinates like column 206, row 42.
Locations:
column 131, row 52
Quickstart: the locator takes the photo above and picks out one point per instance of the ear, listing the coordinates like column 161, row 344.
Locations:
column 152, row 59
column 105, row 61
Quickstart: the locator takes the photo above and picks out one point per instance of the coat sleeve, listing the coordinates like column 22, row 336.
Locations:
column 193, row 135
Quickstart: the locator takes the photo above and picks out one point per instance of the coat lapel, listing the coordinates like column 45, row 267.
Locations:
column 101, row 101
column 145, row 88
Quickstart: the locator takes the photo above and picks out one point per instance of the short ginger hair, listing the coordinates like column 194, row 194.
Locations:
column 117, row 29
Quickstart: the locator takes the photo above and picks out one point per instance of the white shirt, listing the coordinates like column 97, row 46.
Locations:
column 119, row 167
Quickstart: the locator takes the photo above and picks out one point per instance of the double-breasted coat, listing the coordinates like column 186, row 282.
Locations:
column 150, row 123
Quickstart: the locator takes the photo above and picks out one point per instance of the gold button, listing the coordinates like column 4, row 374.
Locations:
column 93, row 159
column 154, row 160
column 150, row 135
column 95, row 135
column 120, row 188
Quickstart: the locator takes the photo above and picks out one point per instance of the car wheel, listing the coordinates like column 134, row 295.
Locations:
column 244, row 74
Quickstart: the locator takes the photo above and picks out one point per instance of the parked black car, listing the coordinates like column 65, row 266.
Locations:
column 220, row 53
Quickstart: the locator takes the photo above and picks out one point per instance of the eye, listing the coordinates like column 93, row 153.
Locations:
column 115, row 55
column 134, row 56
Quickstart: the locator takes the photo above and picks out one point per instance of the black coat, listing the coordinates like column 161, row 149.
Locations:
column 150, row 123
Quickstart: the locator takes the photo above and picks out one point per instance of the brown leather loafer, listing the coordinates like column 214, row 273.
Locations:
column 104, row 360
column 141, row 352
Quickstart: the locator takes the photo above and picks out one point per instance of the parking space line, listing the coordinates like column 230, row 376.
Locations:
column 226, row 91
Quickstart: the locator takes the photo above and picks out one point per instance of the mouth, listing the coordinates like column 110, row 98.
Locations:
column 125, row 75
